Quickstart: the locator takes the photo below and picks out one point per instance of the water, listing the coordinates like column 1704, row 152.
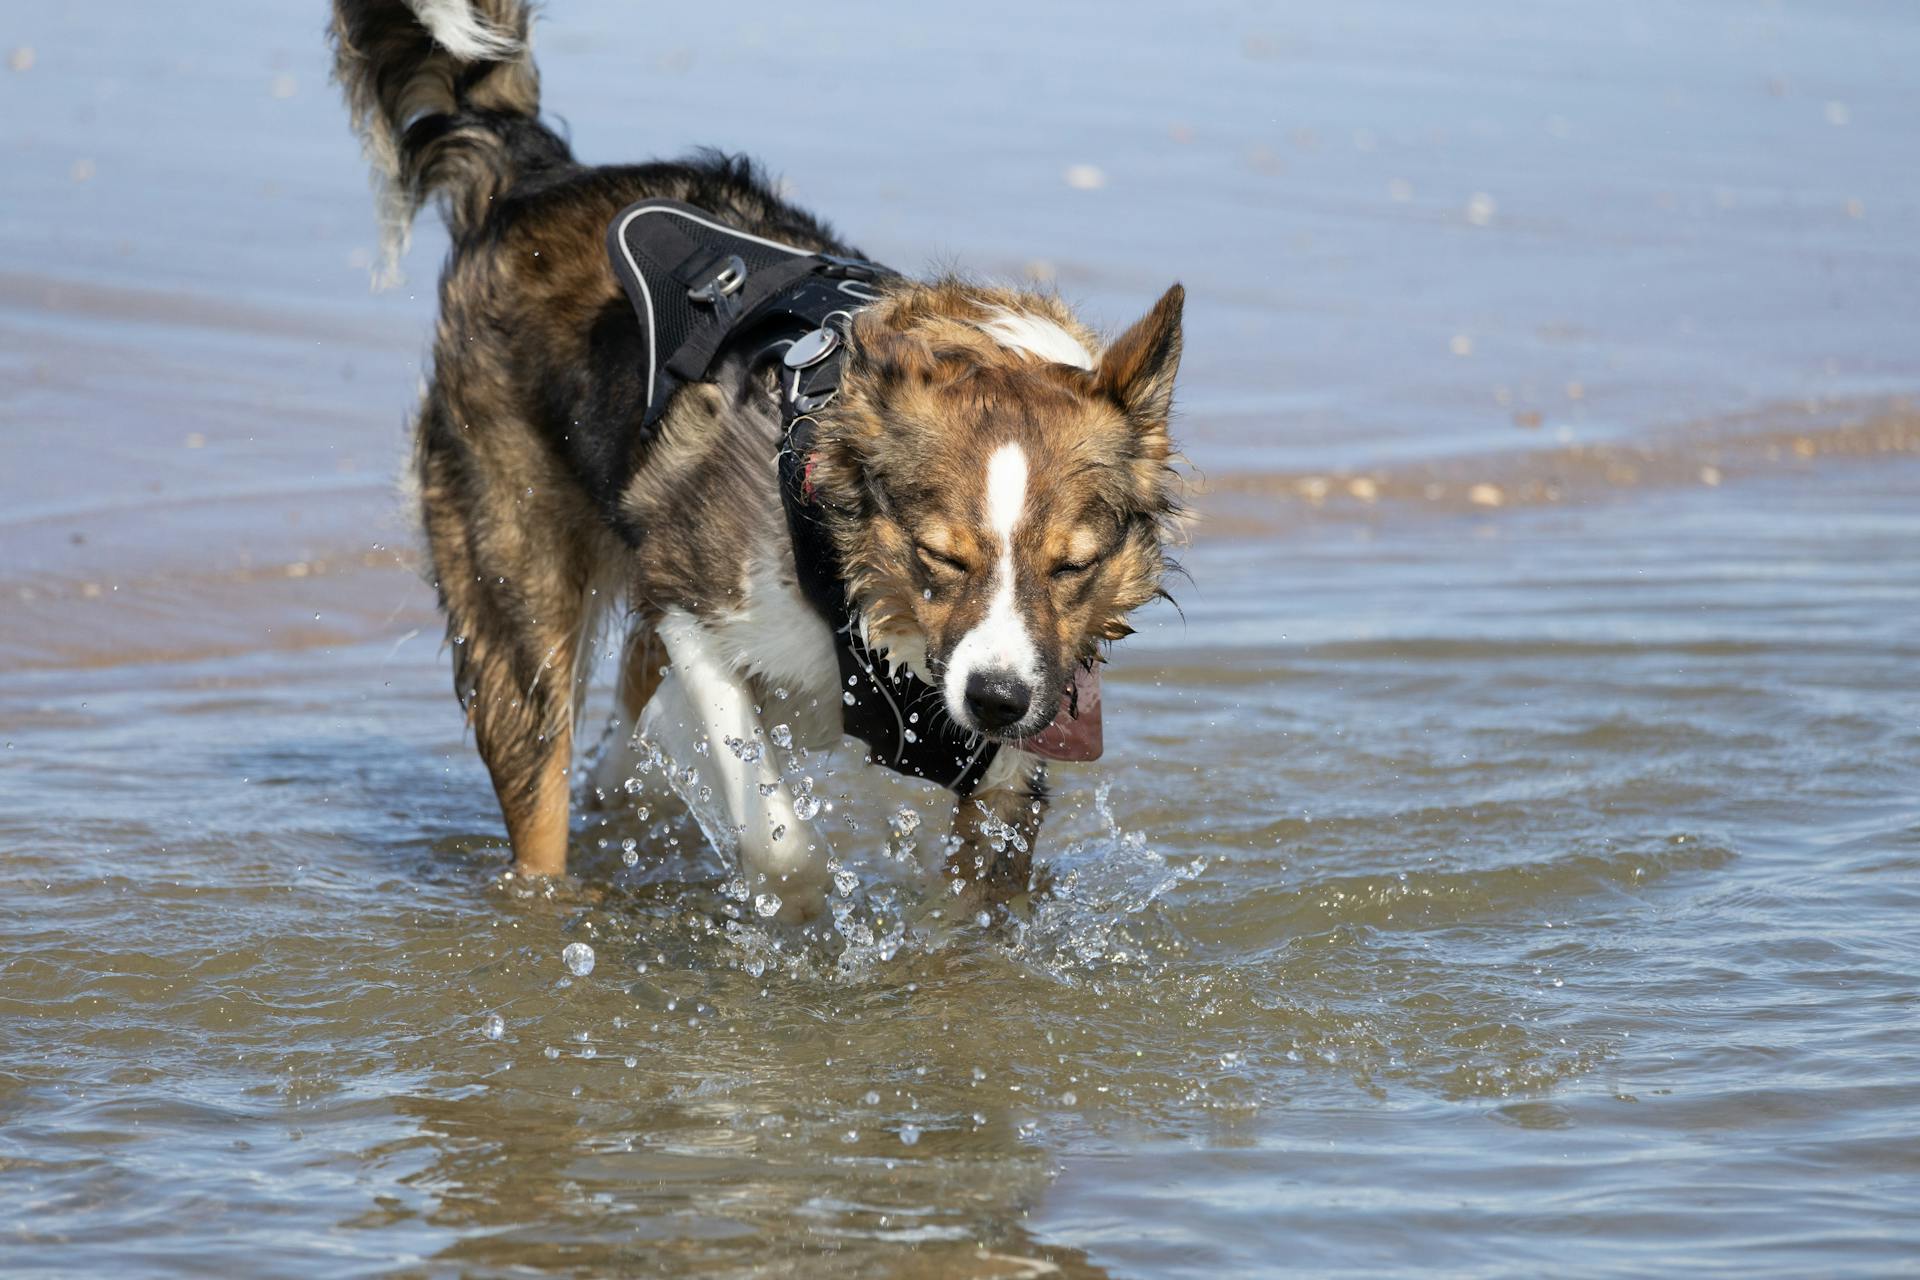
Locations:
column 1505, row 860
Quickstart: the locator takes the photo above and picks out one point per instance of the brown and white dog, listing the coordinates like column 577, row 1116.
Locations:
column 997, row 481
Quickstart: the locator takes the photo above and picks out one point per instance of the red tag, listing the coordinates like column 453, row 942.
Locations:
column 1070, row 736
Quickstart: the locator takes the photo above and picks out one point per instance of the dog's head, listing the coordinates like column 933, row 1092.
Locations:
column 1001, row 489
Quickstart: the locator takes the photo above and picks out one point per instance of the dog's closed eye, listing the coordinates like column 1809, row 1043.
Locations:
column 1068, row 569
column 940, row 562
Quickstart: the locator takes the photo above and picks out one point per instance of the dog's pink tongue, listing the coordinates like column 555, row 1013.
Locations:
column 1072, row 737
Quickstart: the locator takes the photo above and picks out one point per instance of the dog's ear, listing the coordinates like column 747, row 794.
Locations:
column 879, row 359
column 1137, row 370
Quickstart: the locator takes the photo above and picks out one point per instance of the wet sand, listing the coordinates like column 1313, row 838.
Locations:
column 1511, row 841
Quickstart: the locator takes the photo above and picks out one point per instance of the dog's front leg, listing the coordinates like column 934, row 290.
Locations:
column 777, row 846
column 995, row 829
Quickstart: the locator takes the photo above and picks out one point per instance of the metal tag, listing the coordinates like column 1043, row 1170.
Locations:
column 810, row 349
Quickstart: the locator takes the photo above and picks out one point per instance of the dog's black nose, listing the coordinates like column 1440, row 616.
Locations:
column 996, row 700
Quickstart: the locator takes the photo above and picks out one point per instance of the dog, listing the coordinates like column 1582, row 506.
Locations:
column 996, row 486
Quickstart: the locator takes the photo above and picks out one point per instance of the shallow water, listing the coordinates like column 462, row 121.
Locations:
column 1504, row 861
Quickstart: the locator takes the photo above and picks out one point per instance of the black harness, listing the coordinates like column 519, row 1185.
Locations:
column 704, row 291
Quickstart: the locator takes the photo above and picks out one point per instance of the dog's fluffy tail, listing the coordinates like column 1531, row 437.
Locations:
column 446, row 99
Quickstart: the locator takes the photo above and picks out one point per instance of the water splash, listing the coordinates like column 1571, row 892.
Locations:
column 1097, row 912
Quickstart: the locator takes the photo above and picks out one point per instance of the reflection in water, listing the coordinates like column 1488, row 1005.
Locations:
column 649, row 1173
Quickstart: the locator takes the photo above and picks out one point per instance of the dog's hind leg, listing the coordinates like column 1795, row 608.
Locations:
column 643, row 664
column 512, row 563
column 778, row 848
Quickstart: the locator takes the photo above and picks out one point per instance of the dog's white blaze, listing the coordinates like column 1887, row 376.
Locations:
column 1006, row 492
column 1038, row 336
column 462, row 32
column 1000, row 641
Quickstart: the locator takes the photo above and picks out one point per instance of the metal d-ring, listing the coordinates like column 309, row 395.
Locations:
column 725, row 283
column 806, row 403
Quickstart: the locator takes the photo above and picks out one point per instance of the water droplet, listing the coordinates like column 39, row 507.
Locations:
column 630, row 852
column 979, row 1075
column 847, row 698
column 844, row 881
column 910, row 735
column 632, row 1062
column 766, row 904
column 805, row 807
column 983, row 919
column 578, row 957
column 872, row 1099
column 850, row 1137
column 904, row 821
column 1069, row 1099
column 782, row 735
column 494, row 1026
column 551, row 1052
column 909, row 1134
column 779, row 832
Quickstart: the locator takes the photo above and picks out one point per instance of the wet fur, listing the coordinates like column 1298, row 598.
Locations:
column 536, row 525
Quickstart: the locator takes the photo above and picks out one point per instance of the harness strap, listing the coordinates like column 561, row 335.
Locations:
column 902, row 719
column 698, row 353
